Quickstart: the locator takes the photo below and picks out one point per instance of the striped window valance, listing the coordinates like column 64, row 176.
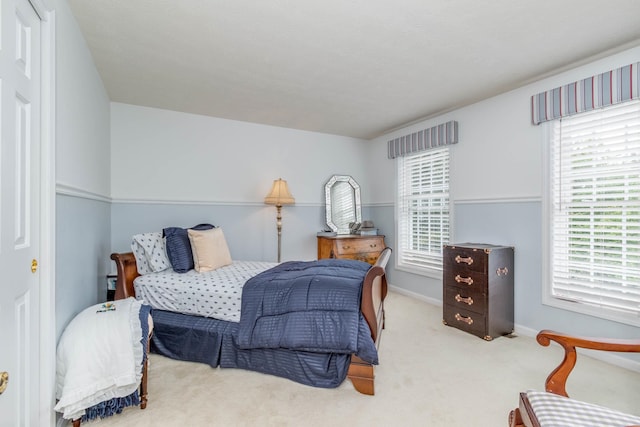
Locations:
column 612, row 87
column 437, row 136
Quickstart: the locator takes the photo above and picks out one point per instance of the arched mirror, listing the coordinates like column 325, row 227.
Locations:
column 342, row 196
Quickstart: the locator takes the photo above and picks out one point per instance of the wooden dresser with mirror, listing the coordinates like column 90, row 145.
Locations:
column 344, row 216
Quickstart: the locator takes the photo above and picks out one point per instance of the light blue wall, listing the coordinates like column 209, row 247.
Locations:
column 83, row 227
column 250, row 230
column 516, row 224
column 83, row 231
column 179, row 169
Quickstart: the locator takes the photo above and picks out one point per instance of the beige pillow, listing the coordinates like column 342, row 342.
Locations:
column 209, row 249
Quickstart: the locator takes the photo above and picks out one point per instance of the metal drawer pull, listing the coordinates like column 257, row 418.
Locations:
column 373, row 245
column 467, row 320
column 467, row 260
column 466, row 300
column 346, row 247
column 467, row 280
column 502, row 271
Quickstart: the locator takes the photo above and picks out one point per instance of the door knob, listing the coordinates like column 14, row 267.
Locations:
column 34, row 265
column 4, row 380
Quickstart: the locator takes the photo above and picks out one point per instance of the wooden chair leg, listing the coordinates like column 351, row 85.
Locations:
column 145, row 369
column 76, row 423
column 143, row 384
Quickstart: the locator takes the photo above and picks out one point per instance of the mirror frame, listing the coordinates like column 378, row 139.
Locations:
column 336, row 179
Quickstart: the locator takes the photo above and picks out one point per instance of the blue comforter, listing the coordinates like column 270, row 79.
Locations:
column 309, row 307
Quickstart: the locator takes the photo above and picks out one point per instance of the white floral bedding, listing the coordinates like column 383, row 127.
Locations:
column 215, row 294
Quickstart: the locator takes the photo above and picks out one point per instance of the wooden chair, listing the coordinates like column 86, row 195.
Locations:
column 554, row 407
column 142, row 388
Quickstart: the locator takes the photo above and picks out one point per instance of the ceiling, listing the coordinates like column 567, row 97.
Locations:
column 356, row 68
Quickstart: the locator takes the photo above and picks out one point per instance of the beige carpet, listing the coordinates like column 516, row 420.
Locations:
column 430, row 375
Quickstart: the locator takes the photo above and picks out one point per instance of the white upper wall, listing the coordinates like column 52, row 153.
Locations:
column 161, row 155
column 499, row 154
column 82, row 112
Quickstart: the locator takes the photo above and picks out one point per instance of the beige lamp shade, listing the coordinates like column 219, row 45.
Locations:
column 279, row 194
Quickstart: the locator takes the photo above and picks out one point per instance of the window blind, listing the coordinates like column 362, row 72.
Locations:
column 423, row 208
column 596, row 208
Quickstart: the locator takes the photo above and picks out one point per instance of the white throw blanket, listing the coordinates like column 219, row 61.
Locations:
column 99, row 356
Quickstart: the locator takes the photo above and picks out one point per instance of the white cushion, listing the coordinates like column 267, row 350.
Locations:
column 210, row 250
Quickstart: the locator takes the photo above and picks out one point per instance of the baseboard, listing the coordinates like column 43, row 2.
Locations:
column 432, row 301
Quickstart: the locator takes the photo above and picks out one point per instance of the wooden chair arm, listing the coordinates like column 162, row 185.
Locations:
column 556, row 381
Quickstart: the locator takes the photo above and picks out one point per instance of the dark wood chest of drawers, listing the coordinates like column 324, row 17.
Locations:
column 361, row 248
column 478, row 289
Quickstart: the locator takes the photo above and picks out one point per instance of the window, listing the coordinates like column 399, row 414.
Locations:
column 423, row 210
column 594, row 207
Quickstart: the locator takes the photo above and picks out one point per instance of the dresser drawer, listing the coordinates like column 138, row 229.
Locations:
column 472, row 280
column 370, row 257
column 466, row 320
column 359, row 246
column 465, row 259
column 466, row 299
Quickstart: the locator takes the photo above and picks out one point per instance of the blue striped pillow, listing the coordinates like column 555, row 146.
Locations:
column 179, row 248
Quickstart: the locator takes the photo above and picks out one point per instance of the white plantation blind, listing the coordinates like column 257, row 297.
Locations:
column 595, row 227
column 423, row 208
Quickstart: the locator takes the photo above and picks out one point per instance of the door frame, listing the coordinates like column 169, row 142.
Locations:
column 47, row 326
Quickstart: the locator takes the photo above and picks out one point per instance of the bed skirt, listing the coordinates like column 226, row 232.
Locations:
column 211, row 341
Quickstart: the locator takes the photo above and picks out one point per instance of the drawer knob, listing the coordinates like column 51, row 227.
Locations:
column 373, row 245
column 466, row 260
column 466, row 300
column 467, row 280
column 346, row 247
column 502, row 271
column 460, row 318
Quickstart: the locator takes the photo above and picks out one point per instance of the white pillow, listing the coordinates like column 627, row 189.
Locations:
column 150, row 253
column 210, row 250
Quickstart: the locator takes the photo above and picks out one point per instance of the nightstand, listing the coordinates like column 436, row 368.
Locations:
column 111, row 286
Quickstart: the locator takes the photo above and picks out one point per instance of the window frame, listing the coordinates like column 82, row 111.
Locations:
column 434, row 271
column 548, row 297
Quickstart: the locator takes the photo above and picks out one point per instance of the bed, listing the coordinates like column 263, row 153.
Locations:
column 192, row 335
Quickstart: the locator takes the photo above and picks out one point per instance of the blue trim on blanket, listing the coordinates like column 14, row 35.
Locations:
column 111, row 407
column 117, row 404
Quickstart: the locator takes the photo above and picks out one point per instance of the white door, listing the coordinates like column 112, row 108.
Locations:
column 20, row 83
